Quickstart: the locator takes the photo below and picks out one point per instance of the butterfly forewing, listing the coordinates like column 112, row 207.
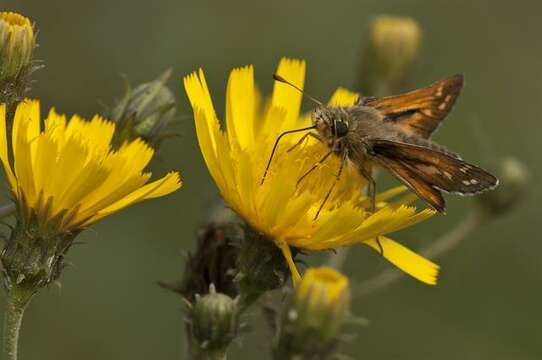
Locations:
column 419, row 112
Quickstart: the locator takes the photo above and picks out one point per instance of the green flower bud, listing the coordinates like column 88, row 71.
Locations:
column 213, row 323
column 392, row 49
column 16, row 44
column 514, row 177
column 145, row 112
column 313, row 319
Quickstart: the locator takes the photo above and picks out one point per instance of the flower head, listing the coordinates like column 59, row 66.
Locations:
column 145, row 112
column 313, row 319
column 63, row 179
column 67, row 175
column 236, row 158
column 17, row 44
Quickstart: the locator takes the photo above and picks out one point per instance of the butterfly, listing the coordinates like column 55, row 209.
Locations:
column 394, row 133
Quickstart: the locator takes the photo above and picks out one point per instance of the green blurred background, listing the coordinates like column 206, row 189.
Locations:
column 487, row 304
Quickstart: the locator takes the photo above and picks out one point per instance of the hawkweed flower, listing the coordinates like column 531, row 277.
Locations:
column 236, row 158
column 312, row 320
column 145, row 112
column 63, row 178
column 17, row 43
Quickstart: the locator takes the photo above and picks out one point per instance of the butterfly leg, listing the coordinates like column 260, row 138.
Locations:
column 371, row 194
column 337, row 178
column 314, row 167
column 303, row 138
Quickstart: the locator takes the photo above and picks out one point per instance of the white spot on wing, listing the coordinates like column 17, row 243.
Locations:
column 465, row 169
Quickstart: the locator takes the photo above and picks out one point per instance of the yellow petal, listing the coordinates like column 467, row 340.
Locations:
column 200, row 98
column 408, row 261
column 343, row 97
column 4, row 150
column 241, row 107
column 284, row 96
column 296, row 277
column 161, row 187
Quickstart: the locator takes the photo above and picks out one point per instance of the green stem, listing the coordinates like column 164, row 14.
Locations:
column 17, row 300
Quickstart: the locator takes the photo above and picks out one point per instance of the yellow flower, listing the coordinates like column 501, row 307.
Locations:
column 322, row 300
column 313, row 319
column 323, row 287
column 17, row 43
column 66, row 176
column 236, row 158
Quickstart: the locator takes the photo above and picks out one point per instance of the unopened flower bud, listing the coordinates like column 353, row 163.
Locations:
column 17, row 43
column 392, row 49
column 213, row 323
column 145, row 112
column 312, row 321
column 513, row 176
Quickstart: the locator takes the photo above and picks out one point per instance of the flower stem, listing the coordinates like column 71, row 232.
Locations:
column 17, row 300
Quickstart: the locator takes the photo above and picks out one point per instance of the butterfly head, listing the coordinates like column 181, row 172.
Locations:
column 329, row 123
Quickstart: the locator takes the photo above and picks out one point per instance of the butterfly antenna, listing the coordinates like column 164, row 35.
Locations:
column 283, row 80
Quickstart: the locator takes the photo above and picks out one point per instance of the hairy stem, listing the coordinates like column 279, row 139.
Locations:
column 16, row 302
column 447, row 242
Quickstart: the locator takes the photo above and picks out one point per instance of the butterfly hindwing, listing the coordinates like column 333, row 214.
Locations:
column 436, row 168
column 410, row 178
column 419, row 112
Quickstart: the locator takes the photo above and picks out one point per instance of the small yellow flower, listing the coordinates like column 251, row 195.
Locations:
column 236, row 158
column 17, row 44
column 323, row 287
column 312, row 321
column 66, row 176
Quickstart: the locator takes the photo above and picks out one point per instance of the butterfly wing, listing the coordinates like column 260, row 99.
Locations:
column 419, row 112
column 417, row 184
column 436, row 169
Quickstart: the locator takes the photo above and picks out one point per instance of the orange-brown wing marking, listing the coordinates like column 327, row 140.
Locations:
column 419, row 112
column 417, row 184
column 440, row 170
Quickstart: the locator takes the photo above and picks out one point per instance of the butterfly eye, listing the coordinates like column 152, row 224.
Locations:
column 341, row 128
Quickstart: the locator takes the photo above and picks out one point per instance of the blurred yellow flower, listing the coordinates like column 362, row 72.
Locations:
column 324, row 287
column 66, row 176
column 236, row 158
column 313, row 319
